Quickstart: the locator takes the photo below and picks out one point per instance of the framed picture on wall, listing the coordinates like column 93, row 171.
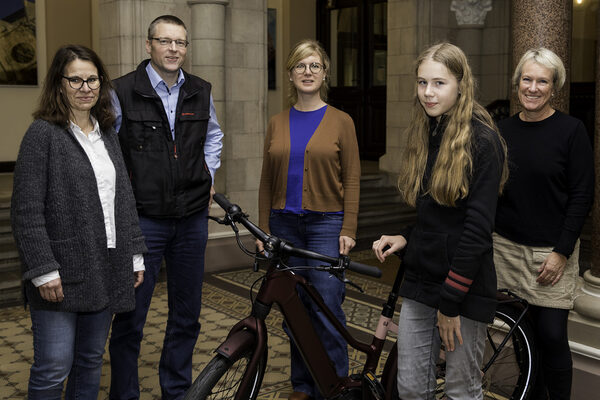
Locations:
column 18, row 61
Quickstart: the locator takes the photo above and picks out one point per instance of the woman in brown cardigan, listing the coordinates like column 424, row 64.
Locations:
column 309, row 192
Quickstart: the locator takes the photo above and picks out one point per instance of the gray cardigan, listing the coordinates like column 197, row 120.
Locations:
column 58, row 223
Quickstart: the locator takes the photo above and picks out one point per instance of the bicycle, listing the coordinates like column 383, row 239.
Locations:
column 237, row 369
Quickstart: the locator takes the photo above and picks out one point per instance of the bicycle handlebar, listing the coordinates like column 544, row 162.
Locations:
column 235, row 213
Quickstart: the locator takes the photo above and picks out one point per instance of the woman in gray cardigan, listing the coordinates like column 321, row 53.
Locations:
column 76, row 227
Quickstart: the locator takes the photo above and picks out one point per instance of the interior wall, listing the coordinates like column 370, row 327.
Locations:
column 53, row 29
column 583, row 47
column 17, row 103
column 68, row 22
column 487, row 47
column 296, row 20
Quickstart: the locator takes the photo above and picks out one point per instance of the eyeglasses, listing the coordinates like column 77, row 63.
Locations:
column 164, row 42
column 315, row 68
column 77, row 83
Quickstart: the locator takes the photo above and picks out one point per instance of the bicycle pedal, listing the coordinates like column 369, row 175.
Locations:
column 376, row 388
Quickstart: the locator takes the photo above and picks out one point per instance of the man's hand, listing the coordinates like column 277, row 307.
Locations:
column 449, row 326
column 139, row 278
column 212, row 193
column 346, row 244
column 52, row 291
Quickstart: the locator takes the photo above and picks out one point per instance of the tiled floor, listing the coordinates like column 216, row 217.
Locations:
column 225, row 301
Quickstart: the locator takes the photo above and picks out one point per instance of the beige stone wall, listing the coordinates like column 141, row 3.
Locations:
column 413, row 25
column 295, row 21
column 246, row 95
column 122, row 30
column 404, row 38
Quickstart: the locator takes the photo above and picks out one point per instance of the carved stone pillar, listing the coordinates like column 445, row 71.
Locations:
column 547, row 23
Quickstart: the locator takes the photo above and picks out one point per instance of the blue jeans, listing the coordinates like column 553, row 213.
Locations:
column 419, row 348
column 67, row 344
column 182, row 243
column 320, row 233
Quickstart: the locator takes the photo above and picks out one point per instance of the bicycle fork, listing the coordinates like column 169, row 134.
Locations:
column 249, row 333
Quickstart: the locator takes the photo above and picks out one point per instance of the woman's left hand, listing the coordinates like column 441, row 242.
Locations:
column 139, row 278
column 449, row 326
column 552, row 269
column 346, row 244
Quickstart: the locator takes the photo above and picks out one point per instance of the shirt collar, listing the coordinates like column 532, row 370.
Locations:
column 77, row 130
column 156, row 80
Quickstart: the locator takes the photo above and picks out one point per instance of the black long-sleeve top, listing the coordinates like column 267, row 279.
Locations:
column 449, row 259
column 550, row 188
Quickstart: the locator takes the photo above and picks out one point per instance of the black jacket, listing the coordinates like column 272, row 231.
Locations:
column 169, row 177
column 58, row 222
column 449, row 257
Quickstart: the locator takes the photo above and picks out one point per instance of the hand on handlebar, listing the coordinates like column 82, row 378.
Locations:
column 395, row 243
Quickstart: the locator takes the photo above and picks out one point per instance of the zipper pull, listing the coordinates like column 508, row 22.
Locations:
column 175, row 151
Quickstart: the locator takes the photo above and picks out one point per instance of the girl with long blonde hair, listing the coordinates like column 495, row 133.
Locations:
column 453, row 168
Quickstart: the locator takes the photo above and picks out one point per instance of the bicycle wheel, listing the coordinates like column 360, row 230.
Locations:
column 221, row 377
column 512, row 374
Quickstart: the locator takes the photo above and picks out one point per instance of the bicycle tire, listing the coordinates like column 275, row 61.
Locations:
column 221, row 377
column 512, row 374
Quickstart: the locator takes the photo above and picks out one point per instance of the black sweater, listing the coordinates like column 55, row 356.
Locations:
column 448, row 260
column 551, row 183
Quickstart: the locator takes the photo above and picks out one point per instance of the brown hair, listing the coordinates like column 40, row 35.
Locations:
column 167, row 19
column 53, row 104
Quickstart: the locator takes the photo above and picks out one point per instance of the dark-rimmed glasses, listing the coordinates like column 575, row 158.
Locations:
column 182, row 44
column 77, row 83
column 315, row 68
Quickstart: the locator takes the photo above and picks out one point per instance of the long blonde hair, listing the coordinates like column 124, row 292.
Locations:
column 452, row 170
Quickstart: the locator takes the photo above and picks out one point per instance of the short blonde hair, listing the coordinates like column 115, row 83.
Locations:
column 546, row 58
column 303, row 49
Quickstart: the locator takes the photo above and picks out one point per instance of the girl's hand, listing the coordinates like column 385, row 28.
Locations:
column 394, row 242
column 449, row 326
column 346, row 244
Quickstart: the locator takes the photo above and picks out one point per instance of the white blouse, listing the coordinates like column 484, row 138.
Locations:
column 104, row 171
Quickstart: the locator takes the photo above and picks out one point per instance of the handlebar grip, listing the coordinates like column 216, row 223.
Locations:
column 222, row 201
column 364, row 269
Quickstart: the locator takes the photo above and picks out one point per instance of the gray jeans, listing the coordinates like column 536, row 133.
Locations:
column 419, row 349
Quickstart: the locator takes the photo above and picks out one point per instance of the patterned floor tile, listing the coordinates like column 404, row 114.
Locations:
column 222, row 308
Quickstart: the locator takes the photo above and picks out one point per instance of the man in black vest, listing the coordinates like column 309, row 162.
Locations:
column 171, row 142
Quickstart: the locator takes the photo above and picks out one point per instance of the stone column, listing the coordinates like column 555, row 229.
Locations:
column 207, row 33
column 547, row 23
column 588, row 302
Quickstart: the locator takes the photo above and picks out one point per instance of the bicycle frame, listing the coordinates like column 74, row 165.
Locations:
column 247, row 340
column 280, row 287
column 507, row 297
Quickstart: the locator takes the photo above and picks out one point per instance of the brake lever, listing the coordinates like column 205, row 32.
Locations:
column 226, row 220
column 337, row 271
column 354, row 285
column 218, row 220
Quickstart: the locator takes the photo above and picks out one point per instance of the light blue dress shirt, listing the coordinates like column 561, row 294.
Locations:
column 169, row 97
